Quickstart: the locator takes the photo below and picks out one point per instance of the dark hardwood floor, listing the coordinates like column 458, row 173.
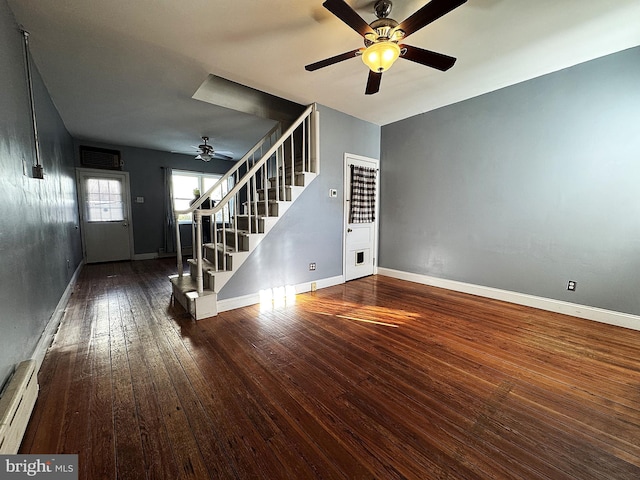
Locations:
column 377, row 378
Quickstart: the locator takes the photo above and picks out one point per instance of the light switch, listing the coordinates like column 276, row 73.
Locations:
column 139, row 199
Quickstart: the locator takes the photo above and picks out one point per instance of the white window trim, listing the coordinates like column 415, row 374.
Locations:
column 201, row 179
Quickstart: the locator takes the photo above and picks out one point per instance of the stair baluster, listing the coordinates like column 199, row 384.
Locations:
column 304, row 147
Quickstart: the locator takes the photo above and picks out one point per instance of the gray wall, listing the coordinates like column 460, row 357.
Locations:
column 311, row 230
column 524, row 188
column 39, row 240
column 146, row 177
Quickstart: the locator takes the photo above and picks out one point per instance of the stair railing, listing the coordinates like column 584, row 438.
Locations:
column 221, row 186
column 270, row 163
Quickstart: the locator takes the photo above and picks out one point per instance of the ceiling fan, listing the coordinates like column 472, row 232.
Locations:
column 206, row 152
column 382, row 38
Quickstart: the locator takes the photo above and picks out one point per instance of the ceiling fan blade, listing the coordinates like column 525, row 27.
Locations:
column 427, row 57
column 330, row 61
column 223, row 155
column 427, row 14
column 348, row 15
column 373, row 83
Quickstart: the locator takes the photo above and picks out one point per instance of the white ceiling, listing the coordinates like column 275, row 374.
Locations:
column 124, row 72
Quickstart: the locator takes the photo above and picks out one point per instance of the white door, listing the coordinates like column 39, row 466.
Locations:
column 105, row 214
column 361, row 228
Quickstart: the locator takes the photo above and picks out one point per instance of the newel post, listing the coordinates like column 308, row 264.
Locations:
column 197, row 220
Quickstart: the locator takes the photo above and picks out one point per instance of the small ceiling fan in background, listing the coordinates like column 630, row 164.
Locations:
column 207, row 152
column 382, row 37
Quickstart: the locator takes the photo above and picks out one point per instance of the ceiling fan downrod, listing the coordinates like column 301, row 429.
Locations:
column 382, row 8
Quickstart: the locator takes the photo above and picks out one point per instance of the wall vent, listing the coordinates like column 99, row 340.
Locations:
column 94, row 157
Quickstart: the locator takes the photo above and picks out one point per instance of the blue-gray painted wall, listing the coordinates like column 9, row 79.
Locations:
column 311, row 230
column 40, row 246
column 524, row 188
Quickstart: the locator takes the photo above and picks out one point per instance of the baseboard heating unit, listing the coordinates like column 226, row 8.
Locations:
column 16, row 406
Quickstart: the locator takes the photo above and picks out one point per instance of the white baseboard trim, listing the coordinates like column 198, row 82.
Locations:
column 154, row 255
column 610, row 317
column 56, row 317
column 322, row 283
column 145, row 256
column 238, row 302
column 254, row 298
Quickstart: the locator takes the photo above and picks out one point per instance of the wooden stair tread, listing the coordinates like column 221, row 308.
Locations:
column 233, row 230
column 259, row 217
column 227, row 249
column 184, row 283
column 207, row 265
column 271, row 201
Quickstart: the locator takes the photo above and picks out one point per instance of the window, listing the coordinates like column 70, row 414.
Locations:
column 104, row 201
column 184, row 184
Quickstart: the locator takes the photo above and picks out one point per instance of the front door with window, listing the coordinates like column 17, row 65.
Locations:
column 361, row 216
column 105, row 215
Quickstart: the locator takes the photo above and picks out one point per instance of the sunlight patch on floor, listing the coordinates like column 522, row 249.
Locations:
column 368, row 321
column 369, row 314
column 278, row 297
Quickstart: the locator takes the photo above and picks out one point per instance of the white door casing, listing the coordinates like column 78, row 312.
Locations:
column 360, row 240
column 105, row 215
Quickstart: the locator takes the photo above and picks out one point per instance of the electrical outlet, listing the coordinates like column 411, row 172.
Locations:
column 38, row 172
column 312, row 266
column 571, row 286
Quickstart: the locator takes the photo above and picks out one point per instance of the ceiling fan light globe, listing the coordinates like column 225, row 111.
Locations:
column 205, row 157
column 380, row 56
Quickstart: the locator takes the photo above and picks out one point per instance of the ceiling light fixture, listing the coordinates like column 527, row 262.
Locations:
column 382, row 36
column 380, row 56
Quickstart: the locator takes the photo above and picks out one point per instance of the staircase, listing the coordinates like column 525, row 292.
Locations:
column 256, row 192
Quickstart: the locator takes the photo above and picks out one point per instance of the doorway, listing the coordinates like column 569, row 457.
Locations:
column 361, row 207
column 105, row 214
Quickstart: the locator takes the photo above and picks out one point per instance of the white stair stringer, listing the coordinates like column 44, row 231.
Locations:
column 205, row 305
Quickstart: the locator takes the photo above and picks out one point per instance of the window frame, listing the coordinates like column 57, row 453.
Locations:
column 201, row 177
column 104, row 199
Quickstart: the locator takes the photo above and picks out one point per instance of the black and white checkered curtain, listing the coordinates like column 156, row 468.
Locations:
column 363, row 195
